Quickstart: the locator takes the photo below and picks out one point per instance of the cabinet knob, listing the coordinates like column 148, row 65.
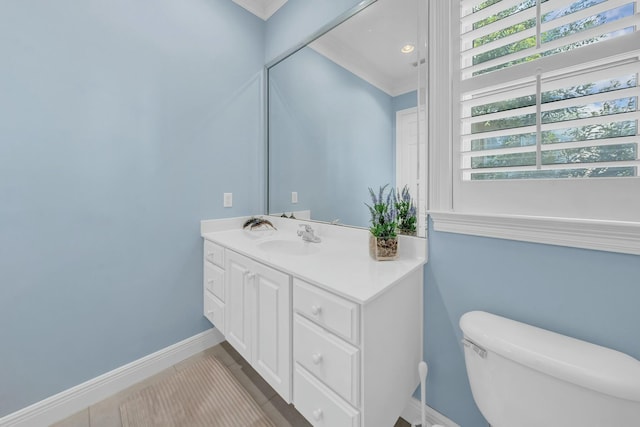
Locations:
column 315, row 310
column 317, row 358
column 250, row 276
column 317, row 414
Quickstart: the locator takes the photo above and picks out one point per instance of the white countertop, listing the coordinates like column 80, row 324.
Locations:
column 340, row 263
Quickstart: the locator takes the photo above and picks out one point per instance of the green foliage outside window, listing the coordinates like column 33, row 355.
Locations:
column 610, row 107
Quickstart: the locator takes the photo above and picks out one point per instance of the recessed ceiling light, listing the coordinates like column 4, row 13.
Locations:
column 407, row 48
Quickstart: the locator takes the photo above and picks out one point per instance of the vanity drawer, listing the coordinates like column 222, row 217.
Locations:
column 319, row 405
column 214, row 280
column 214, row 253
column 328, row 357
column 214, row 311
column 328, row 310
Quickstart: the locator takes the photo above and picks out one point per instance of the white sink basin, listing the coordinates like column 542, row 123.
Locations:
column 289, row 247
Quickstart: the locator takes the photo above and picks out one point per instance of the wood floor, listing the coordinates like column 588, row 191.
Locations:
column 107, row 412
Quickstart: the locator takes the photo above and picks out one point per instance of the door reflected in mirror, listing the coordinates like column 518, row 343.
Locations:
column 343, row 117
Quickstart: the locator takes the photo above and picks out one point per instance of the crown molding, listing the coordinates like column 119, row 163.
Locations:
column 263, row 9
column 336, row 51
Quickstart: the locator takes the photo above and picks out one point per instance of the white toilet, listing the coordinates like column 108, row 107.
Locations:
column 523, row 376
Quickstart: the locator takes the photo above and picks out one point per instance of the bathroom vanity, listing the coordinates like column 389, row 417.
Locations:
column 334, row 332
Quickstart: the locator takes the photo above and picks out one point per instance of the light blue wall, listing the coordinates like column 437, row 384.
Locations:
column 589, row 295
column 121, row 124
column 404, row 101
column 331, row 137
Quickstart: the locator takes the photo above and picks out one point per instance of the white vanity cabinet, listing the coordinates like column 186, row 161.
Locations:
column 257, row 318
column 326, row 374
column 333, row 332
column 214, row 284
column 353, row 362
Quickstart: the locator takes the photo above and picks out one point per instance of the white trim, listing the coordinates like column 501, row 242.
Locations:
column 613, row 236
column 70, row 401
column 441, row 91
column 413, row 415
column 528, row 208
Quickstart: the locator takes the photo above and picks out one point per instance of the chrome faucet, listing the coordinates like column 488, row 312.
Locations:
column 307, row 234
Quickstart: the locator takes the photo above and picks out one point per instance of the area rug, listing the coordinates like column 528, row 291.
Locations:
column 205, row 394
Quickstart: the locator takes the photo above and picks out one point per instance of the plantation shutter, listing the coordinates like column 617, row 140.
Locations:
column 549, row 89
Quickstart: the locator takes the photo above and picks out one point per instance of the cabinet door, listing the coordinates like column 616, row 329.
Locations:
column 272, row 342
column 238, row 303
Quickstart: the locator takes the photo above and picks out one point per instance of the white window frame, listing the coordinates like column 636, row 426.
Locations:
column 458, row 208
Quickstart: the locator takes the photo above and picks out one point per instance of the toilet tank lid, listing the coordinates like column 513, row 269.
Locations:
column 579, row 362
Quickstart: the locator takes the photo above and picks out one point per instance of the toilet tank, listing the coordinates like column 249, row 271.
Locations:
column 524, row 376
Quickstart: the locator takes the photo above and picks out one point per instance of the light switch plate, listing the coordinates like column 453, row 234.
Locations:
column 228, row 200
column 294, row 197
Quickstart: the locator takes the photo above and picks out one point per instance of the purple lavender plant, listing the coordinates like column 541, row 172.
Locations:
column 383, row 213
column 406, row 211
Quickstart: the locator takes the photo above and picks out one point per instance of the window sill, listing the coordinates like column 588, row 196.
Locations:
column 612, row 236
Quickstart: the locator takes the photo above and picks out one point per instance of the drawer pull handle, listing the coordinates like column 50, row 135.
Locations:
column 317, row 358
column 317, row 414
column 210, row 312
column 210, row 254
column 210, row 281
column 316, row 310
column 249, row 276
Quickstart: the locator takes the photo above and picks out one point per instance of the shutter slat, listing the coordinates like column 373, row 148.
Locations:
column 497, row 133
column 593, row 55
column 590, row 99
column 567, row 166
column 586, row 34
column 500, row 115
column 506, row 22
column 576, row 16
column 602, row 72
column 635, row 115
column 494, row 9
column 505, row 41
column 603, row 29
column 550, row 106
column 561, row 42
column 552, row 147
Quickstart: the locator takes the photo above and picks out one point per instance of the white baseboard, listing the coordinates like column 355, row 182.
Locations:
column 70, row 401
column 413, row 414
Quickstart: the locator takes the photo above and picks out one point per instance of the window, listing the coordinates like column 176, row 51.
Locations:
column 549, row 97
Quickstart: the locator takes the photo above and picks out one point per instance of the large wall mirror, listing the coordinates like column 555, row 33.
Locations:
column 346, row 113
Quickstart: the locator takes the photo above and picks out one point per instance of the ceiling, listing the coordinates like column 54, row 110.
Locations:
column 368, row 44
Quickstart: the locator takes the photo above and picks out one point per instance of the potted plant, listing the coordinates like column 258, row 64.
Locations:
column 405, row 212
column 383, row 240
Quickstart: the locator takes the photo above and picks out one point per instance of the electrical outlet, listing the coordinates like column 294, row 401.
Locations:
column 294, row 197
column 228, row 200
